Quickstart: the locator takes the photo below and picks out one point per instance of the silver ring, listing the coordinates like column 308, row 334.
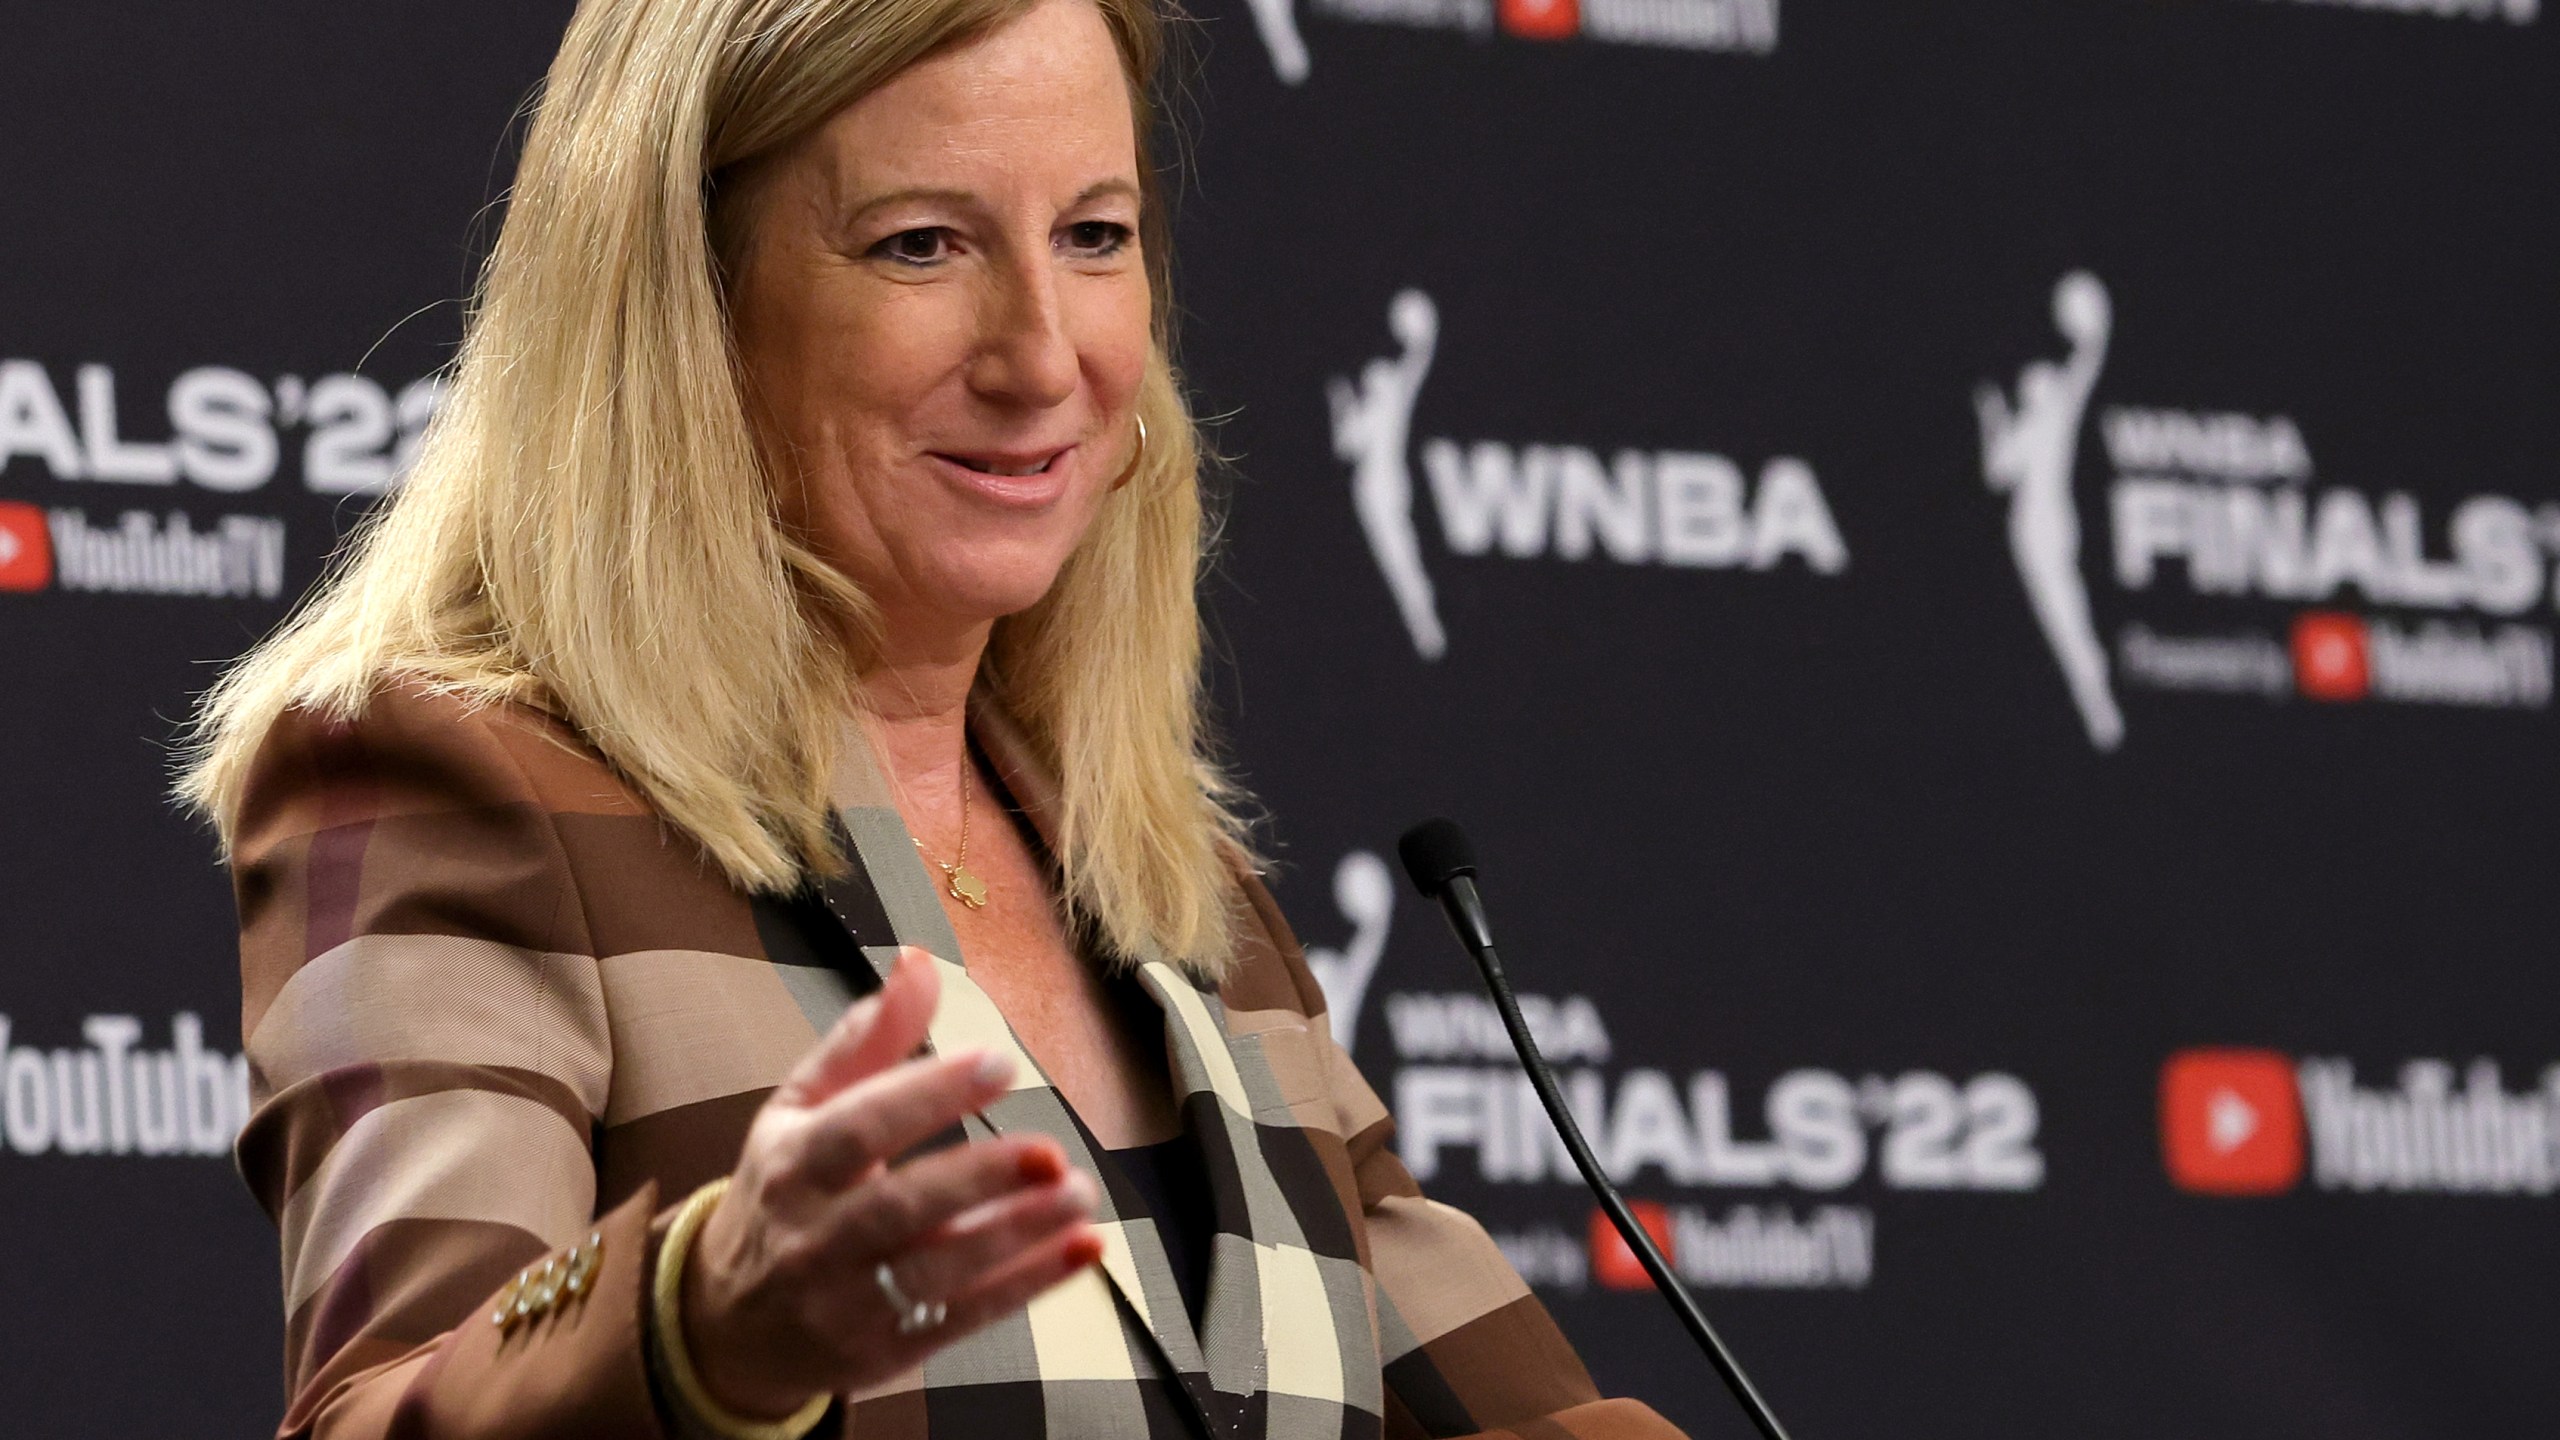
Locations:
column 914, row 1316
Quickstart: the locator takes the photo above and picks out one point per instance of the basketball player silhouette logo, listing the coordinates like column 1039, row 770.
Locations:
column 1278, row 22
column 2028, row 450
column 1373, row 431
column 1366, row 894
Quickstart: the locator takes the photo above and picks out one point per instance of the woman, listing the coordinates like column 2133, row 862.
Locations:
column 795, row 598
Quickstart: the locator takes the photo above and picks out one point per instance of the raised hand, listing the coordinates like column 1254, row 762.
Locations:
column 782, row 1298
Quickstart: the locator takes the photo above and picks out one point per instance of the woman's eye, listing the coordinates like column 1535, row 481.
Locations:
column 914, row 247
column 1097, row 237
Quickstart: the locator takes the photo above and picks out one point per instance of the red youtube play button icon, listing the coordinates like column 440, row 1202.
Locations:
column 1613, row 1260
column 2231, row 1122
column 26, row 549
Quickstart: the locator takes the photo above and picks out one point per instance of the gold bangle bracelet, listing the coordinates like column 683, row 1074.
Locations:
column 666, row 1313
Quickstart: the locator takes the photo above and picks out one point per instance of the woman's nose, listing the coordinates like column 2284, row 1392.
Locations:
column 1025, row 355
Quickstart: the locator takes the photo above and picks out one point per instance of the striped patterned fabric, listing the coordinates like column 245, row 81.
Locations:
column 495, row 1007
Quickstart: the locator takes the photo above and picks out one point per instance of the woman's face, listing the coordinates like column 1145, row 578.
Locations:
column 944, row 317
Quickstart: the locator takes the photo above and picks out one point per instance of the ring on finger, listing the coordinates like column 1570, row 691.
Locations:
column 914, row 1316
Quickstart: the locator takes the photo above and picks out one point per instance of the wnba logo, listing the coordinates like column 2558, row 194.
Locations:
column 2028, row 449
column 2230, row 507
column 1682, row 508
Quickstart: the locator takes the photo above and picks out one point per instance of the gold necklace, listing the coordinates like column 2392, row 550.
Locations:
column 964, row 885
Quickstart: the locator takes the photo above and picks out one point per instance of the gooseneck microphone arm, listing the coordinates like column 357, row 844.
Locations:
column 1442, row 865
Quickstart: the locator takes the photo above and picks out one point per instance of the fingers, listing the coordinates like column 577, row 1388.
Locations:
column 1014, row 1285
column 873, row 1034
column 948, row 1193
column 877, row 1119
column 959, row 1257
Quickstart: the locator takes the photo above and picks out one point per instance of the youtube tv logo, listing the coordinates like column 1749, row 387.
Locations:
column 2231, row 1122
column 1613, row 1260
column 26, row 548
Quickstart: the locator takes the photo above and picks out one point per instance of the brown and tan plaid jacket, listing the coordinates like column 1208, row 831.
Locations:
column 495, row 1006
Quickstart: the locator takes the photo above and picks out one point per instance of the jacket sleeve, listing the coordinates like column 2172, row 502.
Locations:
column 429, row 1059
column 1468, row 1349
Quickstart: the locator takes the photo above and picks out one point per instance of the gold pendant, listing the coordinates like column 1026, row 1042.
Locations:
column 968, row 889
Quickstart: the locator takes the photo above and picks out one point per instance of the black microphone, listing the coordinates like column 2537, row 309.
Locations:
column 1443, row 867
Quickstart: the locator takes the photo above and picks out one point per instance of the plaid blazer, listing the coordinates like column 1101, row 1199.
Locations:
column 495, row 1009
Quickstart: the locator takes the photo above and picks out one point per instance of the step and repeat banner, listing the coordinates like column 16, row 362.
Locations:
column 1983, row 572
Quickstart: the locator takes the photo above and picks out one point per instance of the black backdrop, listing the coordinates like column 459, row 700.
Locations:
column 1993, row 575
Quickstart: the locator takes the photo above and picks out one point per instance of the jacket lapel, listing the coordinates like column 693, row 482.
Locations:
column 1288, row 1310
column 1206, row 1086
column 887, row 900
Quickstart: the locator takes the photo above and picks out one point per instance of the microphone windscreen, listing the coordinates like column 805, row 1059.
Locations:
column 1435, row 852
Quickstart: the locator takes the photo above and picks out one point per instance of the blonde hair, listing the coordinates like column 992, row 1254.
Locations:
column 590, row 516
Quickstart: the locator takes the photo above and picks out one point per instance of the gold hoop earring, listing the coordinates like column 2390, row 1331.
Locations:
column 1135, row 456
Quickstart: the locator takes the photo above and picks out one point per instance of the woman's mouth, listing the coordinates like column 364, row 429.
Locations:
column 1020, row 479
column 1008, row 468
